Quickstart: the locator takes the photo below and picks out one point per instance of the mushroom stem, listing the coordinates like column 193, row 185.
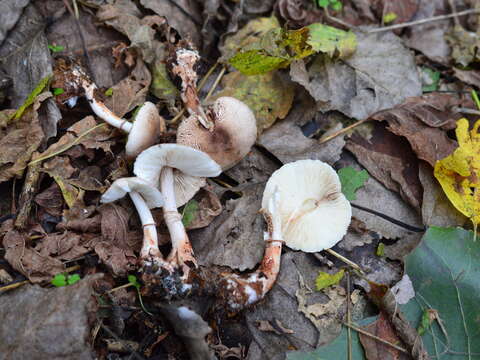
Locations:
column 150, row 248
column 184, row 69
column 182, row 252
column 102, row 111
column 241, row 291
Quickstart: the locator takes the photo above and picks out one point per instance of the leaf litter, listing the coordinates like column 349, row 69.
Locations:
column 306, row 104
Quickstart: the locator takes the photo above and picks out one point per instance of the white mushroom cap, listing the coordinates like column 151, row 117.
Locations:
column 315, row 213
column 232, row 137
column 186, row 159
column 152, row 196
column 145, row 130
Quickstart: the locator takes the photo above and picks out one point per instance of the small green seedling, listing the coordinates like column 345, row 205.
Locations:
column 433, row 80
column 56, row 48
column 380, row 249
column 60, row 280
column 58, row 91
column 389, row 17
column 109, row 92
column 335, row 5
column 132, row 279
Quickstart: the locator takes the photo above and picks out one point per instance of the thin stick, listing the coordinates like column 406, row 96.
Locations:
column 341, row 131
column 423, row 21
column 215, row 84
column 200, row 87
column 466, row 111
column 68, row 146
column 349, row 320
column 345, row 260
column 366, row 333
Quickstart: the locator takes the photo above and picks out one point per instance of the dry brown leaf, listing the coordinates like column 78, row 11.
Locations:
column 118, row 261
column 375, row 350
column 66, row 246
column 209, row 207
column 114, row 225
column 391, row 161
column 88, row 225
column 51, row 200
column 19, row 138
column 27, row 261
column 422, row 120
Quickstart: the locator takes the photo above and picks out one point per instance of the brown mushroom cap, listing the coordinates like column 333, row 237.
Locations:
column 232, row 137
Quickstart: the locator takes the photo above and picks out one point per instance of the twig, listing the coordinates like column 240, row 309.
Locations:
column 32, row 180
column 423, row 21
column 341, row 22
column 215, row 84
column 346, row 261
column 390, row 219
column 453, row 8
column 68, row 146
column 366, row 333
column 466, row 110
column 342, row 131
column 349, row 320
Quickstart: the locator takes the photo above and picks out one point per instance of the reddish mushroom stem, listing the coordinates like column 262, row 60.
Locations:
column 240, row 291
column 182, row 252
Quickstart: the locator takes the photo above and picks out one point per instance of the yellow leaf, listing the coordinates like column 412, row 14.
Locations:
column 459, row 173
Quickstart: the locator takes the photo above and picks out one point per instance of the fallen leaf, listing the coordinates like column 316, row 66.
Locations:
column 51, row 200
column 471, row 77
column 375, row 350
column 269, row 96
column 459, row 172
column 288, row 143
column 403, row 10
column 66, row 246
column 42, row 323
column 422, row 121
column 403, row 290
column 19, row 139
column 114, row 225
column 325, row 279
column 444, row 274
column 379, row 75
column 207, row 208
column 14, row 9
column 391, row 161
column 332, row 41
column 351, row 180
column 118, row 261
column 235, row 237
column 33, row 265
column 465, row 45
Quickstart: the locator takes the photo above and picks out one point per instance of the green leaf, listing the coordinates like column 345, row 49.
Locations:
column 351, row 180
column 72, row 279
column 324, row 279
column 58, row 91
column 59, row 280
column 389, row 17
column 132, row 279
column 424, row 323
column 336, row 6
column 189, row 212
column 445, row 272
column 433, row 80
column 109, row 92
column 331, row 41
column 323, row 3
column 337, row 349
column 56, row 48
column 162, row 87
column 380, row 249
column 42, row 84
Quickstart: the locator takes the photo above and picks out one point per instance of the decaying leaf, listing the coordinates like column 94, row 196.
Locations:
column 114, row 225
column 325, row 279
column 465, row 45
column 66, row 246
column 204, row 208
column 459, row 173
column 118, row 261
column 19, row 138
column 269, row 96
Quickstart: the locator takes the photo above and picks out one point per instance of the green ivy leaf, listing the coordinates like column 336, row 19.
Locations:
column 351, row 180
column 58, row 91
column 389, row 17
column 189, row 212
column 59, row 280
column 72, row 279
column 325, row 280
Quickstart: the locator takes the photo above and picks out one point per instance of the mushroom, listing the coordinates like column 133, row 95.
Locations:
column 226, row 130
column 315, row 213
column 304, row 208
column 142, row 133
column 155, row 165
column 145, row 197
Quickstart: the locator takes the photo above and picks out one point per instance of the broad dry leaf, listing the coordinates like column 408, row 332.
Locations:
column 459, row 173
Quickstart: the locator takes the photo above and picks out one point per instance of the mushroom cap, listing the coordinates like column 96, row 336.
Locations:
column 232, row 137
column 145, row 130
column 152, row 196
column 315, row 213
column 186, row 186
column 190, row 161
